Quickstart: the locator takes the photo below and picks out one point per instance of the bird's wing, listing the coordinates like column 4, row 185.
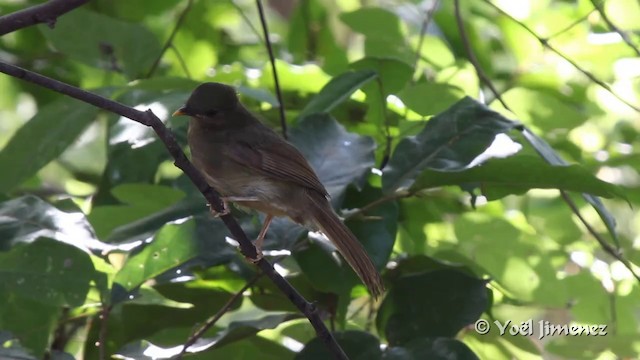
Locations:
column 279, row 160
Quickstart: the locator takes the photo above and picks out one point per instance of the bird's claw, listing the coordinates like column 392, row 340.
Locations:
column 259, row 256
column 225, row 209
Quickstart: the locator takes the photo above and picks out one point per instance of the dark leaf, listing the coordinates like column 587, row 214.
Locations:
column 24, row 219
column 47, row 271
column 339, row 158
column 449, row 142
column 126, row 47
column 432, row 304
column 358, row 345
column 431, row 348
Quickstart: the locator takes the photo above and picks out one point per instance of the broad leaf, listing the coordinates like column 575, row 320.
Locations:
column 127, row 47
column 431, row 348
column 337, row 91
column 173, row 245
column 516, row 175
column 42, row 139
column 430, row 98
column 26, row 218
column 339, row 158
column 449, row 142
column 47, row 271
column 358, row 345
column 431, row 304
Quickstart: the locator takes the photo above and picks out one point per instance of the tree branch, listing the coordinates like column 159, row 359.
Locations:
column 623, row 34
column 223, row 310
column 472, row 56
column 546, row 44
column 169, row 42
column 265, row 30
column 148, row 118
column 46, row 13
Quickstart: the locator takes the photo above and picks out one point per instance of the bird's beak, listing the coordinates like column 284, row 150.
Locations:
column 181, row 111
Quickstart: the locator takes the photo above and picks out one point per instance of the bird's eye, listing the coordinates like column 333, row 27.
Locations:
column 211, row 113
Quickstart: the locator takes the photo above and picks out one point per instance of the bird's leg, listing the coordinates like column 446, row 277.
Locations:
column 225, row 204
column 260, row 240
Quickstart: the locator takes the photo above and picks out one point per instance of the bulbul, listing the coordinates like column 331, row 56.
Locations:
column 251, row 165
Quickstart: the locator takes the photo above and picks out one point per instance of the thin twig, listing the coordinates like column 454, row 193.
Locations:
column 183, row 64
column 102, row 335
column 612, row 26
column 267, row 40
column 385, row 199
column 472, row 56
column 211, row 321
column 545, row 43
column 423, row 30
column 46, row 13
column 603, row 243
column 169, row 42
column 246, row 19
column 387, row 126
column 571, row 25
column 213, row 198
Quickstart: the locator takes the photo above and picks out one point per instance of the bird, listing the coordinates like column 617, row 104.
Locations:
column 252, row 166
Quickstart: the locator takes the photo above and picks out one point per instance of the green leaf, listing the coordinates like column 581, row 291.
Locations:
column 29, row 320
column 152, row 196
column 339, row 158
column 11, row 349
column 337, row 91
column 431, row 304
column 173, row 245
column 431, row 348
column 430, row 98
column 374, row 22
column 125, row 46
column 383, row 33
column 517, row 174
column 448, row 142
column 311, row 38
column 43, row 139
column 547, row 153
column 393, row 74
column 543, row 110
column 142, row 201
column 28, row 217
column 47, row 271
column 358, row 345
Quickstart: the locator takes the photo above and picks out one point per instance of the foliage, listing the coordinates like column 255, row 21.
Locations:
column 103, row 240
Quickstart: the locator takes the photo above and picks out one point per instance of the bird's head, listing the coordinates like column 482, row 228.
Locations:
column 209, row 100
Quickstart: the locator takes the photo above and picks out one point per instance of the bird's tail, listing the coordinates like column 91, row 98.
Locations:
column 348, row 245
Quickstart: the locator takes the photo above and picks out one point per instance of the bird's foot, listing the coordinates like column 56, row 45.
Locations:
column 225, row 209
column 259, row 256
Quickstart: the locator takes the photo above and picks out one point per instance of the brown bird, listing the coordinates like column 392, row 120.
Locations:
column 251, row 165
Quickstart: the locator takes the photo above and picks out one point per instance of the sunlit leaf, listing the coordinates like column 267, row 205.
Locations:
column 43, row 139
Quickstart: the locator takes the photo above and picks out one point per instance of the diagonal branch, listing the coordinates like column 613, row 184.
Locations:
column 46, row 13
column 546, row 44
column 169, row 43
column 148, row 118
column 211, row 321
column 267, row 40
column 472, row 56
column 623, row 34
